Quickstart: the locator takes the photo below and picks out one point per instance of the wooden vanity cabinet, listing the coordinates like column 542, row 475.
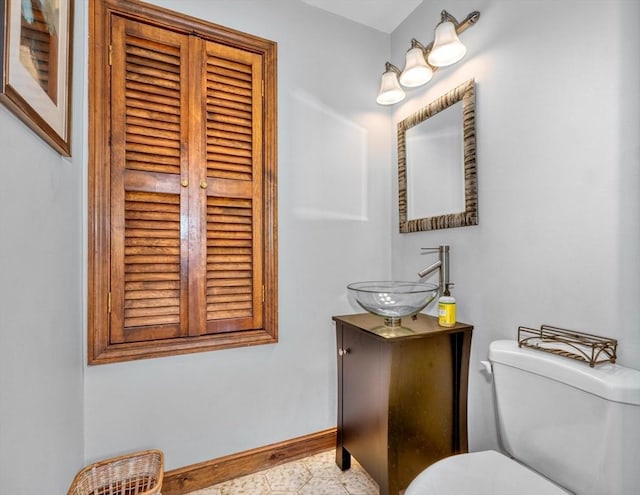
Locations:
column 402, row 395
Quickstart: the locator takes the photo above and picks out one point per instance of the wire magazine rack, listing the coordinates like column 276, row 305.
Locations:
column 581, row 346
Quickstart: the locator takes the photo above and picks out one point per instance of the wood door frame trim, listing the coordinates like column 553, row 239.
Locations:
column 100, row 347
column 208, row 473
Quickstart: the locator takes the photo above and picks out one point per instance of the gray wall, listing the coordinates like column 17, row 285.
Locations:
column 41, row 306
column 558, row 120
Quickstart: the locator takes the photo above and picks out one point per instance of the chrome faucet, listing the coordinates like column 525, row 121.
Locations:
column 442, row 265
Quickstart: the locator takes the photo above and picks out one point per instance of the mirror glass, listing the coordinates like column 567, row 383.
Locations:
column 437, row 165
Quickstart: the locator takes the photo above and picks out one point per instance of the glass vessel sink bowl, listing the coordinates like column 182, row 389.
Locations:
column 393, row 300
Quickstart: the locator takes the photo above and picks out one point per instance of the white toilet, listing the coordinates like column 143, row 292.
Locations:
column 564, row 427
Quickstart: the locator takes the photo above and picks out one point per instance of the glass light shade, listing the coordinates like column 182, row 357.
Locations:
column 447, row 48
column 416, row 70
column 390, row 90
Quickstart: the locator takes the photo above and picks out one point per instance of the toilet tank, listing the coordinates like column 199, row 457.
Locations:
column 578, row 426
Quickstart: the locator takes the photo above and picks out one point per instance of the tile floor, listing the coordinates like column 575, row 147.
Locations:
column 315, row 475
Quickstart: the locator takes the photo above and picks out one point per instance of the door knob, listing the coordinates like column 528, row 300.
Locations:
column 342, row 352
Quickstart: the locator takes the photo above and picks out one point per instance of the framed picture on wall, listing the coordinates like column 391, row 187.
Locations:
column 35, row 42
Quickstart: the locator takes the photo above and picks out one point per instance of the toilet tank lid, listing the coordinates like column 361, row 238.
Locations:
column 609, row 381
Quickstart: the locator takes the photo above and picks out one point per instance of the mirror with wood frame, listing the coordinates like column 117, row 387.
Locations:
column 437, row 180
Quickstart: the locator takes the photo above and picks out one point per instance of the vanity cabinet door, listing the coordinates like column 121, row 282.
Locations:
column 365, row 381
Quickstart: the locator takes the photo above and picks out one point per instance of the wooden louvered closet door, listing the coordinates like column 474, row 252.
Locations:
column 186, row 176
column 233, row 148
column 149, row 206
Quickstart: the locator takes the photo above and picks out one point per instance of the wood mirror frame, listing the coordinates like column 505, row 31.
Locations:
column 465, row 93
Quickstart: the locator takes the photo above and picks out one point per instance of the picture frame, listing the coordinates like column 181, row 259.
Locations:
column 35, row 75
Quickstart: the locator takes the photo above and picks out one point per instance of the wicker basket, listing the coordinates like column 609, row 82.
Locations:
column 139, row 473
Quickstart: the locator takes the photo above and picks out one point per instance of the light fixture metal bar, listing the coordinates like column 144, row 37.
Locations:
column 469, row 21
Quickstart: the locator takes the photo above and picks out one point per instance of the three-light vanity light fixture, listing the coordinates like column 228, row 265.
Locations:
column 421, row 61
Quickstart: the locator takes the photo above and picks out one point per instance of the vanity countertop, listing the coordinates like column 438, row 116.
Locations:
column 410, row 328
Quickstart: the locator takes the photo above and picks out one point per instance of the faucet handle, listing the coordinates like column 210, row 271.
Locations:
column 443, row 248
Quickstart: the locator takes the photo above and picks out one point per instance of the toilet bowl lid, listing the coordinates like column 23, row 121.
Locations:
column 481, row 473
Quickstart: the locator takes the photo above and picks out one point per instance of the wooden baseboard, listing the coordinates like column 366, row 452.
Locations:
column 207, row 473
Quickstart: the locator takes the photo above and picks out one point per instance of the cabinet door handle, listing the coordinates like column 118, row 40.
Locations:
column 342, row 352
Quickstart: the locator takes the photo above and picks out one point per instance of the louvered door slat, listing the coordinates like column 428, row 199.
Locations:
column 153, row 95
column 149, row 285
column 229, row 272
column 231, row 98
column 146, row 305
